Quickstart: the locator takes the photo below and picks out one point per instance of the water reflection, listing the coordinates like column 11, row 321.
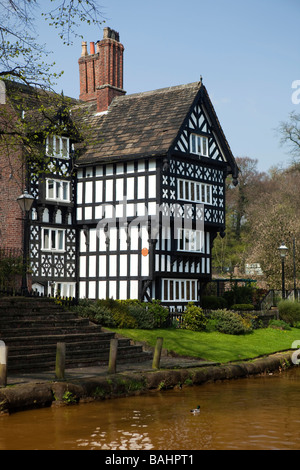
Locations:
column 256, row 413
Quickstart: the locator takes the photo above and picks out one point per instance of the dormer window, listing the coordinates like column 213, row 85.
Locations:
column 57, row 146
column 199, row 145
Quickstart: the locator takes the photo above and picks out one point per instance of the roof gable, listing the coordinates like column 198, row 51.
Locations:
column 202, row 120
column 152, row 124
column 142, row 124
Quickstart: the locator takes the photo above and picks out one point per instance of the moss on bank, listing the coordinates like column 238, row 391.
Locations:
column 62, row 393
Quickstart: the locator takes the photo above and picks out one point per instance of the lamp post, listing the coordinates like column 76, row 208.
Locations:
column 25, row 202
column 283, row 252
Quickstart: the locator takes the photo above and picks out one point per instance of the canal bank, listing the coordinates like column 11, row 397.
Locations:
column 27, row 391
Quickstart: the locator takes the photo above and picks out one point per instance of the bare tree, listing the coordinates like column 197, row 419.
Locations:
column 290, row 134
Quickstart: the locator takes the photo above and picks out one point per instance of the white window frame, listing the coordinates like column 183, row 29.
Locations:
column 199, row 145
column 65, row 289
column 58, row 191
column 193, row 191
column 58, row 146
column 55, row 241
column 190, row 240
column 179, row 290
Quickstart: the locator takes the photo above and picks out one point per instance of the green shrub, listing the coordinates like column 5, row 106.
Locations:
column 123, row 313
column 97, row 311
column 211, row 325
column 242, row 307
column 289, row 311
column 279, row 325
column 252, row 320
column 194, row 318
column 212, row 302
column 159, row 313
column 124, row 320
column 229, row 322
column 144, row 319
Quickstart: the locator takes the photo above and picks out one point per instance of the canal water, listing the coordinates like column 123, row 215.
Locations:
column 260, row 413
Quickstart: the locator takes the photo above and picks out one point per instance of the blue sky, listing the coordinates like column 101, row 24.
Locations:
column 246, row 51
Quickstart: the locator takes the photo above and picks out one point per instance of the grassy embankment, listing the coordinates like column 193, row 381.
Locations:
column 216, row 346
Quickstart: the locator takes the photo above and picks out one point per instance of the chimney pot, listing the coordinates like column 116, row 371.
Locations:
column 84, row 51
column 106, row 33
column 92, row 48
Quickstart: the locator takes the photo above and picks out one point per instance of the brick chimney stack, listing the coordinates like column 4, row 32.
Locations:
column 101, row 71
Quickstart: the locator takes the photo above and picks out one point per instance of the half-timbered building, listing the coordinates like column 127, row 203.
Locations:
column 150, row 187
column 37, row 155
column 133, row 212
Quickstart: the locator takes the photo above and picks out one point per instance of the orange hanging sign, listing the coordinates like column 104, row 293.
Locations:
column 145, row 251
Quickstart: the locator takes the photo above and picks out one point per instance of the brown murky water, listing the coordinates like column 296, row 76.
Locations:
column 250, row 414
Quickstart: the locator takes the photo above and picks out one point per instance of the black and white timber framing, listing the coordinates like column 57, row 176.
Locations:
column 146, row 222
column 52, row 241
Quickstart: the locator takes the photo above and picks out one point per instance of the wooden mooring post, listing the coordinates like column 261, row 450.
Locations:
column 60, row 361
column 3, row 364
column 157, row 353
column 113, row 351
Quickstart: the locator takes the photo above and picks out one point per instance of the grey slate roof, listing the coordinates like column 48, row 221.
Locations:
column 141, row 124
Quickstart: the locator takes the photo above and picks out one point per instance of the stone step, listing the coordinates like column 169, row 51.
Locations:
column 43, row 323
column 35, row 315
column 38, row 362
column 36, row 340
column 31, row 328
column 84, row 345
column 40, row 331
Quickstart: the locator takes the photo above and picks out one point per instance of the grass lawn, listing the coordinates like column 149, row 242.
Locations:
column 215, row 346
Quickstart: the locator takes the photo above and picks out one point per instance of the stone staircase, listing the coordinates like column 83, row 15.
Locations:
column 32, row 327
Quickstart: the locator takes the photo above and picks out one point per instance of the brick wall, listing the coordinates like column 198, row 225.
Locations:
column 101, row 72
column 11, row 187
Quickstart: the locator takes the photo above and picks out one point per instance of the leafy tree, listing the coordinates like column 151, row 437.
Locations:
column 274, row 217
column 231, row 250
column 22, row 57
column 29, row 110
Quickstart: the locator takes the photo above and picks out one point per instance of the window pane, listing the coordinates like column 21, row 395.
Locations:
column 60, row 244
column 46, row 239
column 177, row 286
column 182, row 290
column 199, row 145
column 203, row 193
column 198, row 192
column 193, row 290
column 53, row 240
column 188, row 290
column 58, row 190
column 57, row 145
column 171, row 294
column 181, row 196
column 204, row 144
column 208, row 198
column 65, row 191
column 192, row 191
column 50, row 189
column 187, row 193
column 193, row 142
column 64, row 147
column 166, row 291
